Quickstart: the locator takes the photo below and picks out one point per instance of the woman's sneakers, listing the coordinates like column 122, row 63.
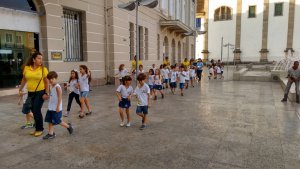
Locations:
column 122, row 124
column 36, row 133
column 66, row 114
column 49, row 136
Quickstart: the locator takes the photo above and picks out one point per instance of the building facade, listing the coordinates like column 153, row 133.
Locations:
column 91, row 32
column 259, row 30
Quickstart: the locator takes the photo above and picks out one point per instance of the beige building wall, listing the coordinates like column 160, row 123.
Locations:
column 52, row 36
column 119, row 27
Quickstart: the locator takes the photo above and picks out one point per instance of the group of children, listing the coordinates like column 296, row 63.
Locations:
column 157, row 80
column 79, row 87
column 216, row 71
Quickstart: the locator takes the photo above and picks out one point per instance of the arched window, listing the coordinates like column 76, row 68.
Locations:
column 223, row 13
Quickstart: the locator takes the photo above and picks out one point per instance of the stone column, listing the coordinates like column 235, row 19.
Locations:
column 237, row 52
column 290, row 35
column 264, row 49
column 205, row 48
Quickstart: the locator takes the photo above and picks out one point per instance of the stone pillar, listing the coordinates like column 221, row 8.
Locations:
column 205, row 48
column 237, row 52
column 264, row 49
column 290, row 35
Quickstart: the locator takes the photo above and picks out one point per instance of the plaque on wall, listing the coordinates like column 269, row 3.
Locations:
column 56, row 55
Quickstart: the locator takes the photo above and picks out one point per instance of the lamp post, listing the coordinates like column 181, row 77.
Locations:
column 228, row 45
column 130, row 6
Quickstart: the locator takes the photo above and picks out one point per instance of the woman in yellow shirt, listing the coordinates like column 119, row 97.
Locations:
column 186, row 63
column 133, row 64
column 35, row 76
column 166, row 61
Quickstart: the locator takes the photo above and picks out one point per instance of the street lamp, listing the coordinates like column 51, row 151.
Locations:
column 130, row 6
column 228, row 45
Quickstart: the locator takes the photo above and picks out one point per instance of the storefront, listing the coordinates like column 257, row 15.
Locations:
column 15, row 48
column 18, row 38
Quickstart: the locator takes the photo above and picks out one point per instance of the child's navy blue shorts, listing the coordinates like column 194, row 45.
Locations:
column 173, row 85
column 150, row 86
column 181, row 85
column 157, row 87
column 124, row 103
column 53, row 117
column 142, row 109
column 166, row 80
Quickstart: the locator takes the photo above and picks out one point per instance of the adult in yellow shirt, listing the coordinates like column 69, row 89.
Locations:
column 35, row 76
column 166, row 61
column 133, row 64
column 186, row 63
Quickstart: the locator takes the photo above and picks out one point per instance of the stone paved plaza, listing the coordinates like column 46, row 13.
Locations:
column 218, row 125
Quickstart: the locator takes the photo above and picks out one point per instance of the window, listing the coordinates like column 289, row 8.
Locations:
column 9, row 38
column 141, row 42
column 252, row 12
column 19, row 42
column 73, row 42
column 158, row 47
column 278, row 9
column 223, row 13
column 146, row 44
column 131, row 37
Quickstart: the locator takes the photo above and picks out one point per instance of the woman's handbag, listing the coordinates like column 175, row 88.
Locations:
column 29, row 101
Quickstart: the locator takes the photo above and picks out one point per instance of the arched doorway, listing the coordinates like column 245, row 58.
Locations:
column 173, row 60
column 179, row 52
column 166, row 47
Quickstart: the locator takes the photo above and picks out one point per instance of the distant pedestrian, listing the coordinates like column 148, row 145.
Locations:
column 73, row 87
column 199, row 68
column 158, row 84
column 293, row 77
column 54, row 113
column 142, row 93
column 124, row 92
column 192, row 75
column 165, row 74
column 173, row 79
column 187, row 77
column 151, row 81
column 122, row 73
column 182, row 78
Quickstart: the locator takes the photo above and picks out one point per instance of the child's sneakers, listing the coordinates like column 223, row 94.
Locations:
column 143, row 127
column 122, row 124
column 128, row 124
column 70, row 129
column 49, row 136
column 27, row 125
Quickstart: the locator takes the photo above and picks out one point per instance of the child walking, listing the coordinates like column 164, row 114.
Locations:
column 187, row 77
column 192, row 75
column 84, row 80
column 165, row 74
column 210, row 71
column 157, row 84
column 124, row 92
column 74, row 91
column 142, row 93
column 182, row 78
column 122, row 72
column 54, row 113
column 173, row 83
column 25, row 109
column 151, row 81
